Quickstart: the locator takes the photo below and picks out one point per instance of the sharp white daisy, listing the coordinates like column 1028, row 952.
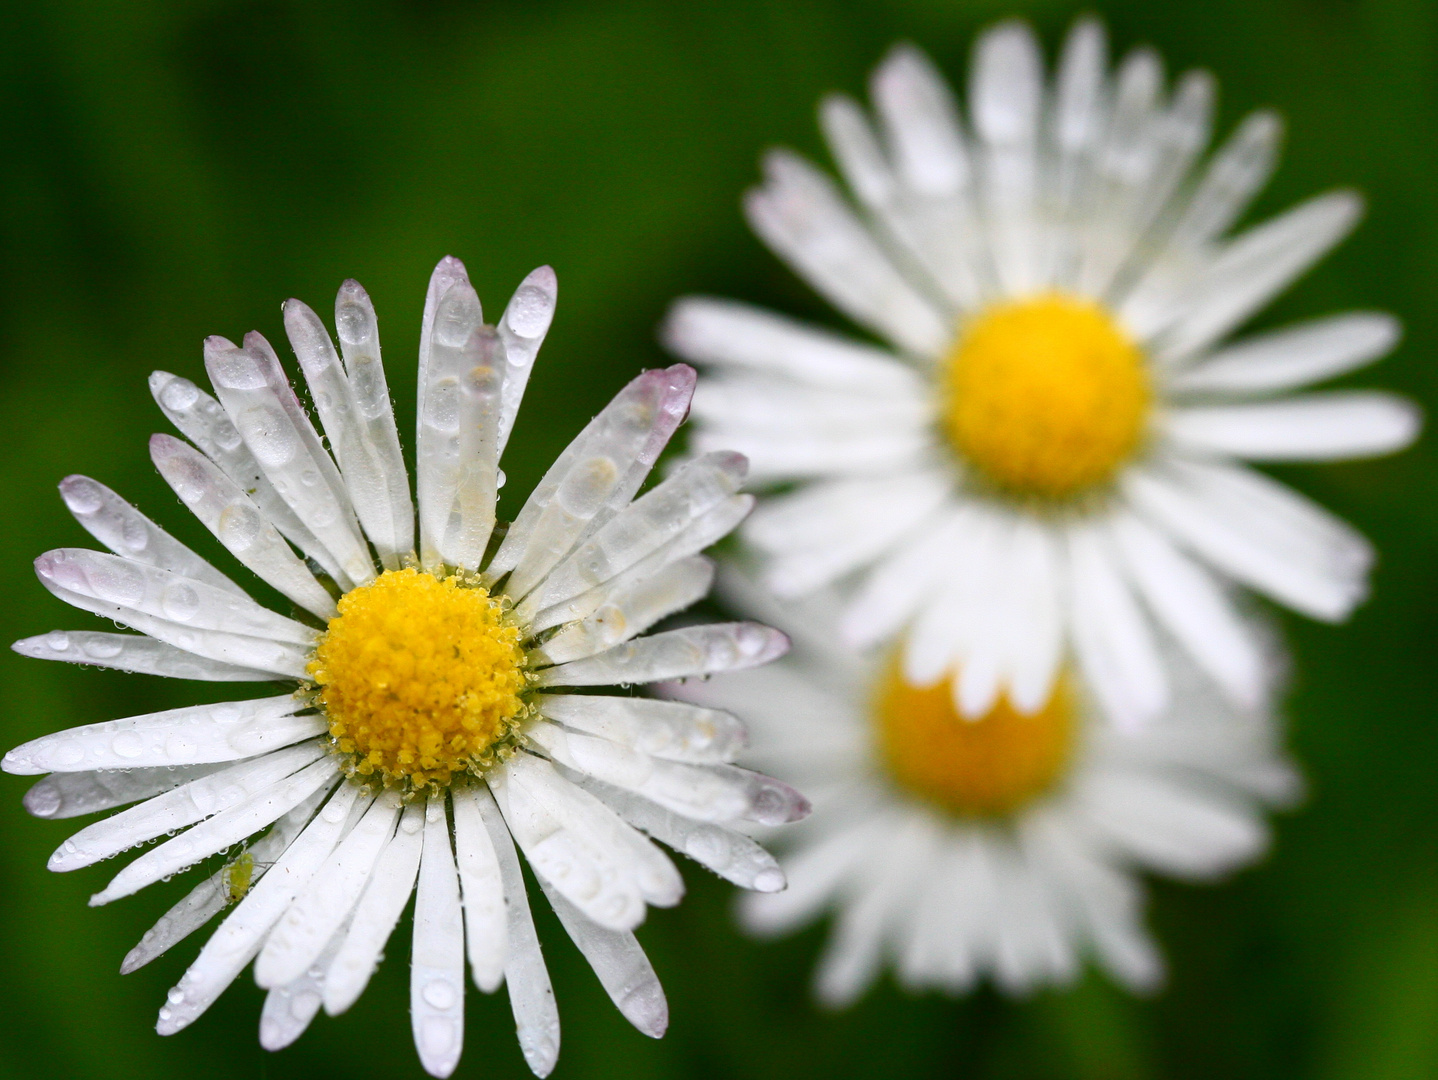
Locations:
column 1008, row 846
column 1050, row 456
column 436, row 723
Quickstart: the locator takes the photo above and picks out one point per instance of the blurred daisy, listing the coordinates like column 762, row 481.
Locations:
column 1004, row 846
column 434, row 727
column 1049, row 456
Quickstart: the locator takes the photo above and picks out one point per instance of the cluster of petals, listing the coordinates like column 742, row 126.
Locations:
column 1022, row 897
column 327, row 861
column 1094, row 185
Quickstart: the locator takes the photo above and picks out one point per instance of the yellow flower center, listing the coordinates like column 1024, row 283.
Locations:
column 973, row 768
column 420, row 678
column 1045, row 397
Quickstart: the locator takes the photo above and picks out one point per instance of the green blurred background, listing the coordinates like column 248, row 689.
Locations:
column 175, row 170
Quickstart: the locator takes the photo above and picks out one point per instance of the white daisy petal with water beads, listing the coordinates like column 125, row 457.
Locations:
column 418, row 748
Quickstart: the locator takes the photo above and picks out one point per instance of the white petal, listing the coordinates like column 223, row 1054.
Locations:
column 816, row 873
column 288, row 1009
column 856, row 150
column 721, row 793
column 193, row 735
column 1005, row 98
column 775, row 459
column 1194, row 608
column 242, row 650
column 258, row 398
column 378, row 911
column 1254, row 267
column 921, row 122
column 729, row 854
column 1112, row 639
column 1108, row 900
column 531, row 996
column 365, row 464
column 219, row 832
column 630, row 611
column 1172, row 828
column 391, row 530
column 926, row 202
column 148, row 590
column 1235, row 174
column 899, row 585
column 521, row 329
column 776, row 409
column 826, row 530
column 726, row 332
column 1259, row 532
column 173, row 810
column 67, row 795
column 597, row 474
column 131, row 535
column 571, row 840
column 240, row 936
column 131, row 652
column 866, row 920
column 461, row 377
column 623, row 970
column 643, row 527
column 1035, row 624
column 663, row 729
column 675, row 654
column 486, row 928
column 223, row 887
column 202, row 420
column 1293, row 356
column 706, row 529
column 237, row 522
column 322, row 907
column 1315, row 427
column 436, row 974
column 801, row 216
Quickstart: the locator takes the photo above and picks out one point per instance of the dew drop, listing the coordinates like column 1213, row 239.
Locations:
column 68, row 754
column 81, row 495
column 269, row 434
column 180, row 602
column 237, row 370
column 439, row 994
column 134, row 535
column 57, row 640
column 103, row 648
column 529, row 311
column 179, row 394
column 127, row 744
column 239, row 526
column 352, row 321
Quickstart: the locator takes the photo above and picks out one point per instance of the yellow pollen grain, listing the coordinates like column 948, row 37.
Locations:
column 972, row 768
column 1046, row 397
column 420, row 678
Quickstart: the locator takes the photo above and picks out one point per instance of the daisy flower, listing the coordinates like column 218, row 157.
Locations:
column 1007, row 846
column 1050, row 454
column 436, row 723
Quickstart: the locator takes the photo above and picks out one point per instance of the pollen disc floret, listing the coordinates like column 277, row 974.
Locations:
column 1045, row 397
column 420, row 678
column 974, row 767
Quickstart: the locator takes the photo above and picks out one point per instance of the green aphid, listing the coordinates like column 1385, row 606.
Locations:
column 238, row 876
